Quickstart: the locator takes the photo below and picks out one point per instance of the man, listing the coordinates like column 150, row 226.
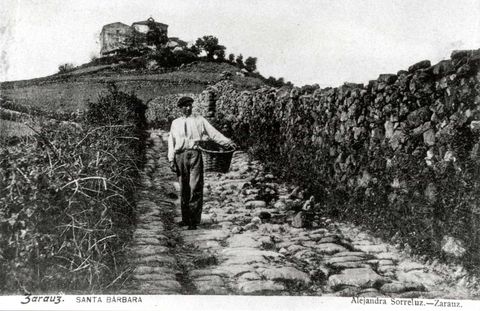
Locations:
column 186, row 159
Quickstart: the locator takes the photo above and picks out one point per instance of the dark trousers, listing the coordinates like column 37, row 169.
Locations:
column 189, row 164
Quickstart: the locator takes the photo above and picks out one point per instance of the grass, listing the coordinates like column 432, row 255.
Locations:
column 70, row 92
column 11, row 128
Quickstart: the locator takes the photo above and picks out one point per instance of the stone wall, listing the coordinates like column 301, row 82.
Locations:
column 400, row 155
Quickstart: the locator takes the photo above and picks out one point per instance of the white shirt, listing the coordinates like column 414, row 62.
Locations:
column 186, row 131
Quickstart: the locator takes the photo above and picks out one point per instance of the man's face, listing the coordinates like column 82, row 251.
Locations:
column 186, row 110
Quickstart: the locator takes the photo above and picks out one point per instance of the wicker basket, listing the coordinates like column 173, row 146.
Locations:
column 215, row 157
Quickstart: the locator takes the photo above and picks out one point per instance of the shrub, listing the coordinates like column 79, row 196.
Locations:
column 251, row 64
column 67, row 197
column 64, row 68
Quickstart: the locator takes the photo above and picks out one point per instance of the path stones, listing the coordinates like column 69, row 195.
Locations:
column 211, row 284
column 248, row 255
column 360, row 277
column 148, row 250
column 255, row 204
column 286, row 274
column 222, row 258
column 243, row 240
column 372, row 248
column 399, row 287
column 260, row 287
column 329, row 248
column 416, row 276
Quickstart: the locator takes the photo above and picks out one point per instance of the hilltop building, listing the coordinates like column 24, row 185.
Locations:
column 117, row 37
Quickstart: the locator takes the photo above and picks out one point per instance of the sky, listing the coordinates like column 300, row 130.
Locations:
column 328, row 42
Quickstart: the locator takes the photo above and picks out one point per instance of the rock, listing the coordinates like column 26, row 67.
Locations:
column 255, row 204
column 204, row 272
column 360, row 277
column 243, row 241
column 429, row 137
column 453, row 246
column 150, row 250
column 265, row 216
column 408, row 265
column 299, row 220
column 399, row 287
column 369, row 292
column 349, row 291
column 237, row 229
column 160, row 285
column 204, row 234
column 309, row 204
column 280, row 205
column 139, row 270
column 267, row 242
column 260, row 287
column 321, row 231
column 475, row 126
column 372, row 249
column 429, row 280
column 342, row 259
column 387, row 78
column 458, row 54
column 233, row 270
column 442, row 68
column 286, row 274
column 295, row 248
column 226, row 225
column 236, row 256
column 212, row 284
column 157, row 261
column 249, row 276
column 392, row 256
column 251, row 226
column 329, row 239
column 204, row 260
column 304, row 254
column 329, row 248
column 347, row 254
column 420, row 65
column 256, row 221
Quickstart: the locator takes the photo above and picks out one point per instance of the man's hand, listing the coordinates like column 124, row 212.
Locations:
column 173, row 167
column 231, row 145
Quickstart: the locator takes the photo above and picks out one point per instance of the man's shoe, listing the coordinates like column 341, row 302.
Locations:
column 182, row 224
column 192, row 227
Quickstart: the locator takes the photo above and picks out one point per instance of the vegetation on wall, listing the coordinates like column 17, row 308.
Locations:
column 400, row 155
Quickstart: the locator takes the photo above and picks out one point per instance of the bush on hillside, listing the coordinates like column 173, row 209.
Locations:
column 64, row 68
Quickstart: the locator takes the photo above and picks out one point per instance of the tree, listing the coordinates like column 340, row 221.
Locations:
column 239, row 61
column 210, row 45
column 195, row 50
column 251, row 64
column 231, row 57
column 219, row 54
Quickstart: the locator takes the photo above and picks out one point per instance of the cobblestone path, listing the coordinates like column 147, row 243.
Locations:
column 249, row 243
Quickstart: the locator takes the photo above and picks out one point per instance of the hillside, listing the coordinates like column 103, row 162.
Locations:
column 71, row 91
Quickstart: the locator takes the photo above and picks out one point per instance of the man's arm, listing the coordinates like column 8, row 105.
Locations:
column 215, row 135
column 171, row 145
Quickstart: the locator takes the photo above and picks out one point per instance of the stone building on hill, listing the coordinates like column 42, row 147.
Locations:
column 114, row 37
column 117, row 37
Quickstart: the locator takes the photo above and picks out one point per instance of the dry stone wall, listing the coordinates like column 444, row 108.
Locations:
column 400, row 155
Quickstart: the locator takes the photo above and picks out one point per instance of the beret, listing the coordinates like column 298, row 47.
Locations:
column 185, row 100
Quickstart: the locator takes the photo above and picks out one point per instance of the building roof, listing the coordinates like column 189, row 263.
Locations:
column 115, row 24
column 149, row 21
